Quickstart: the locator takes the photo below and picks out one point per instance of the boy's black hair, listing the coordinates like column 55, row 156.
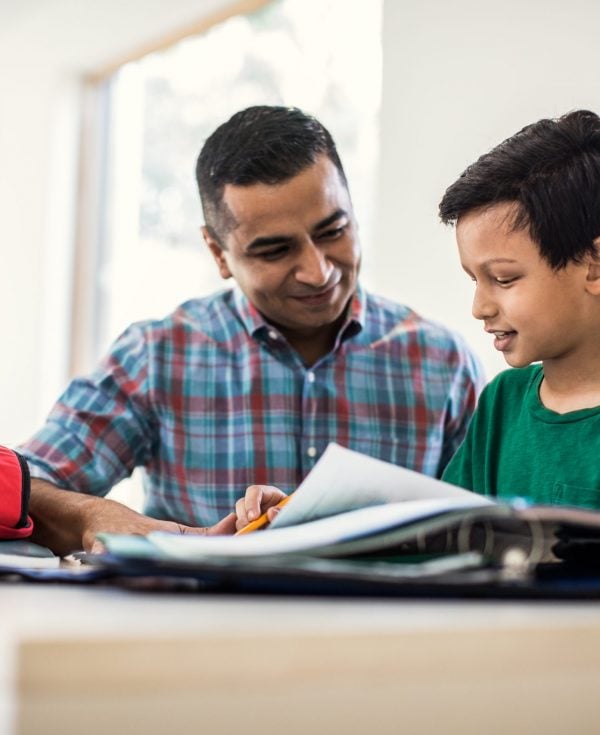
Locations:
column 551, row 171
column 262, row 144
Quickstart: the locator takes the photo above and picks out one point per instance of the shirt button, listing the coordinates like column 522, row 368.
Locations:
column 312, row 451
column 272, row 335
column 310, row 376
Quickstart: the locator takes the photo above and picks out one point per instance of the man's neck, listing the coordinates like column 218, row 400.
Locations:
column 312, row 347
column 313, row 344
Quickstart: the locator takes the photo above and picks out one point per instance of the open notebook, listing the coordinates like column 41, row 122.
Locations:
column 354, row 506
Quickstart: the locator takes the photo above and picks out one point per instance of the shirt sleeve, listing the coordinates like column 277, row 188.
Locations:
column 103, row 425
column 468, row 383
column 459, row 470
column 467, row 467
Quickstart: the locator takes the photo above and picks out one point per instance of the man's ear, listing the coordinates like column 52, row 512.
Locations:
column 217, row 252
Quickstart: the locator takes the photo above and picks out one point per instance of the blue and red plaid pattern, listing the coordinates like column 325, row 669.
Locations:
column 212, row 399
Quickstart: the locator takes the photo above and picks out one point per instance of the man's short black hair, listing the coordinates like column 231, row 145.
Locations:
column 551, row 171
column 262, row 144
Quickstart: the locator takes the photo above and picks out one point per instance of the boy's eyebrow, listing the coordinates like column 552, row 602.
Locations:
column 262, row 242
column 491, row 261
column 488, row 263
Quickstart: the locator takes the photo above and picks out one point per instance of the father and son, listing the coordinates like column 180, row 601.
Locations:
column 231, row 399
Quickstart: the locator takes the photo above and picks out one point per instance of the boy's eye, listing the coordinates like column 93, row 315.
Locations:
column 505, row 281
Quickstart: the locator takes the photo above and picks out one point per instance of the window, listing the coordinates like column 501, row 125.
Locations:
column 314, row 55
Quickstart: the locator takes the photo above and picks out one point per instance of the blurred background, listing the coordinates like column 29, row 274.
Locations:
column 105, row 106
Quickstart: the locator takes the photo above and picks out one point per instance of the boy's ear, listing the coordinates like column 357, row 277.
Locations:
column 217, row 252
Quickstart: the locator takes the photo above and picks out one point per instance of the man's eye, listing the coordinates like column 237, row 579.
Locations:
column 505, row 281
column 273, row 254
column 332, row 234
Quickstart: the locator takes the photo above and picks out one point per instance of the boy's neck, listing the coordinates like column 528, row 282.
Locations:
column 563, row 389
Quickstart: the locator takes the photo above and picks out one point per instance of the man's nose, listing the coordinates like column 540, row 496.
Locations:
column 313, row 268
column 483, row 305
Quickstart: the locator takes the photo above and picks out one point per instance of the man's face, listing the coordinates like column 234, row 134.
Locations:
column 533, row 312
column 293, row 248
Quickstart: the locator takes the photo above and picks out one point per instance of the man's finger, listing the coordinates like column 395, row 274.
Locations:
column 97, row 547
column 226, row 526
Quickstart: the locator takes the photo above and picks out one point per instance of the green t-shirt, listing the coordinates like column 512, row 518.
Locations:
column 515, row 446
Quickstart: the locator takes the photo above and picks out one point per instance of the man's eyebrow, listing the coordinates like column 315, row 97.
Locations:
column 338, row 214
column 263, row 242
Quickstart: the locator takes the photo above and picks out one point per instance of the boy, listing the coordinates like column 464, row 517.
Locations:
column 527, row 218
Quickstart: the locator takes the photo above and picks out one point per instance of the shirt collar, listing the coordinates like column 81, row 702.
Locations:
column 250, row 316
column 257, row 326
column 357, row 314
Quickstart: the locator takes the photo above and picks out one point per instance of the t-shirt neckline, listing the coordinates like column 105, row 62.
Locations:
column 547, row 414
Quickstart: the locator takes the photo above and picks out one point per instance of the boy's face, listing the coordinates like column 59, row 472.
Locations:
column 533, row 312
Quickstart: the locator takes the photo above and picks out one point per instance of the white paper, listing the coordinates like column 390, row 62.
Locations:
column 344, row 480
column 307, row 536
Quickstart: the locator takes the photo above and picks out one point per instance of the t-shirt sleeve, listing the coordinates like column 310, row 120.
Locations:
column 103, row 425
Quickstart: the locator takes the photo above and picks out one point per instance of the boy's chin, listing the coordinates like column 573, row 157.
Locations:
column 516, row 361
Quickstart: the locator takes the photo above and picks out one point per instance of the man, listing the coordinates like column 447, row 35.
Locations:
column 250, row 385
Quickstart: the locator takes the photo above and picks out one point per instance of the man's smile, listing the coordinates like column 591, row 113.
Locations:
column 317, row 297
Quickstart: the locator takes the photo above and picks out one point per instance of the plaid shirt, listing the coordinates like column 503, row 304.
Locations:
column 213, row 399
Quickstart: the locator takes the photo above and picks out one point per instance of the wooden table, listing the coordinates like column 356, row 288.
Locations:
column 109, row 661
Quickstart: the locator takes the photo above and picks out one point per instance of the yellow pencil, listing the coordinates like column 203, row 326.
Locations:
column 262, row 520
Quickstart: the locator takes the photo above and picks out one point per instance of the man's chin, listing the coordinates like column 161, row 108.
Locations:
column 332, row 302
column 302, row 316
column 322, row 315
column 311, row 320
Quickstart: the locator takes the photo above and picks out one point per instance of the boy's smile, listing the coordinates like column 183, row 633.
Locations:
column 502, row 338
column 533, row 312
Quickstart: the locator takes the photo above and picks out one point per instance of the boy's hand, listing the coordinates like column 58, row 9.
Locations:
column 257, row 500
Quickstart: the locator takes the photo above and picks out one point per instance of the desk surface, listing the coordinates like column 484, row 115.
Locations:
column 153, row 652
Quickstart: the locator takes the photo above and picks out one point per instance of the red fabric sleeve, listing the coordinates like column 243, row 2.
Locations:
column 14, row 495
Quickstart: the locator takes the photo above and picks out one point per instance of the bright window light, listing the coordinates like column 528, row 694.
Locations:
column 323, row 56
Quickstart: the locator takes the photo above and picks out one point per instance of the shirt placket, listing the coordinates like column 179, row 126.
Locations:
column 309, row 449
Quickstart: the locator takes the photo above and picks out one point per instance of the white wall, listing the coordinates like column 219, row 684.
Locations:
column 459, row 77
column 46, row 47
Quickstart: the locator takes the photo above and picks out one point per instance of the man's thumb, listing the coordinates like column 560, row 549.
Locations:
column 226, row 526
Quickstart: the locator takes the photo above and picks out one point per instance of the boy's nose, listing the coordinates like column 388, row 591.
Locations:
column 313, row 269
column 483, row 306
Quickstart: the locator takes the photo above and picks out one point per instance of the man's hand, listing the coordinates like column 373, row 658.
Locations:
column 66, row 521
column 117, row 518
column 257, row 500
